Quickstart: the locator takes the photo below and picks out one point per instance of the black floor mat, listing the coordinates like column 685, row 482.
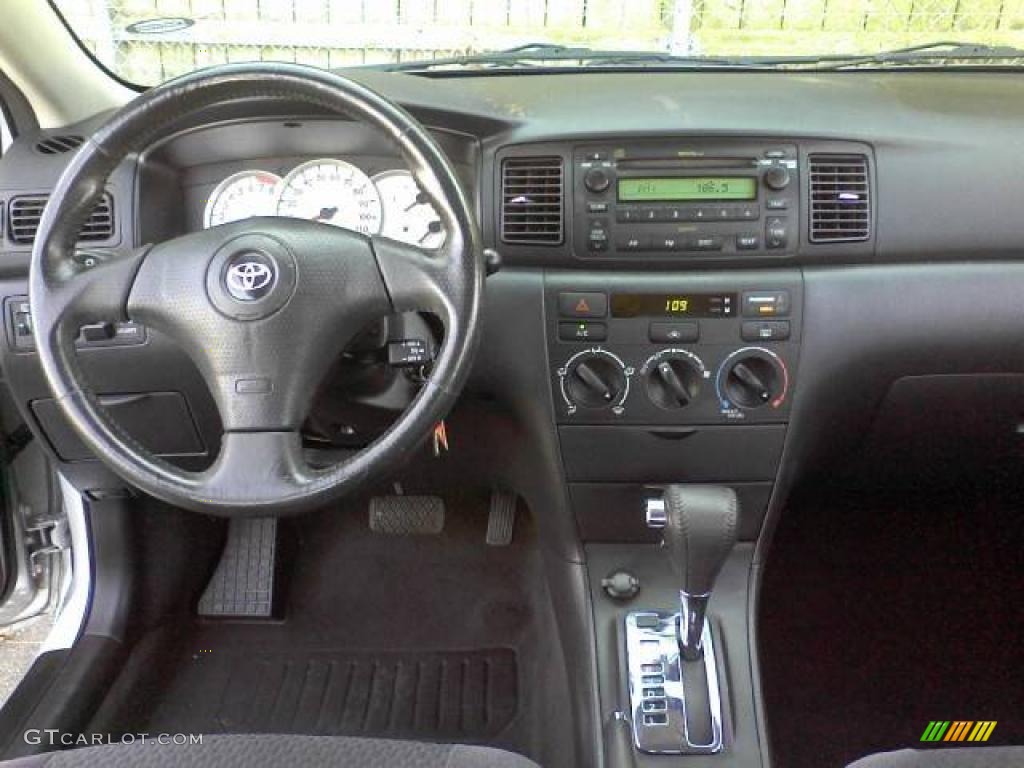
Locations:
column 469, row 696
column 879, row 615
column 426, row 637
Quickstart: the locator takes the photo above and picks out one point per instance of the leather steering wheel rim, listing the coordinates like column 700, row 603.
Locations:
column 247, row 348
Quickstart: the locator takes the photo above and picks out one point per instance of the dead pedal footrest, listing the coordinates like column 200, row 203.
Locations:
column 243, row 584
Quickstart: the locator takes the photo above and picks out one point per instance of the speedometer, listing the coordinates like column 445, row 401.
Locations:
column 334, row 192
column 408, row 214
column 241, row 195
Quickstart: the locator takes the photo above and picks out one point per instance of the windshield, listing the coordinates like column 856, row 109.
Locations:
column 149, row 41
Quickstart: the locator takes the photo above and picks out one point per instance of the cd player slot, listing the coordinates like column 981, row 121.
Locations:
column 685, row 163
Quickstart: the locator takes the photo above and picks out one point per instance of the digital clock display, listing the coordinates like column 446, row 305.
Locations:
column 673, row 305
column 687, row 188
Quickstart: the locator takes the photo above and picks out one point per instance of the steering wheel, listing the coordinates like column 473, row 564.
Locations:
column 263, row 306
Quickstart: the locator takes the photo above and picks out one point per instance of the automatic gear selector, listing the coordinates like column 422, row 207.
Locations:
column 675, row 700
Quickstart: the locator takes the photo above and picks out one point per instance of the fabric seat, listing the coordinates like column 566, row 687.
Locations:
column 273, row 751
column 971, row 757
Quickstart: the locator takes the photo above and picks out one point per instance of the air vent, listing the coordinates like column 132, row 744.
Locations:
column 840, row 198
column 58, row 145
column 24, row 212
column 531, row 200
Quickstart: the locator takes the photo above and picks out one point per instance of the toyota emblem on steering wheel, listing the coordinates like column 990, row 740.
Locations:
column 250, row 278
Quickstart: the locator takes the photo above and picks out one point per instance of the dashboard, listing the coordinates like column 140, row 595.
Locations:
column 709, row 269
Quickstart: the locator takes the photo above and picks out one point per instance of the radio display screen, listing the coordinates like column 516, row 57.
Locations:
column 673, row 304
column 687, row 188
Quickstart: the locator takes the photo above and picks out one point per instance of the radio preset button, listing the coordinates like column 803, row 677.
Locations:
column 650, row 213
column 627, row 214
column 582, row 304
column 749, row 213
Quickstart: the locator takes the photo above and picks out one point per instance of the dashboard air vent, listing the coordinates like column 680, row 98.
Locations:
column 58, row 145
column 24, row 213
column 531, row 200
column 840, row 198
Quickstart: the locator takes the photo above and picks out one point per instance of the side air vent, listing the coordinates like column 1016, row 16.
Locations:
column 24, row 213
column 840, row 198
column 58, row 145
column 531, row 200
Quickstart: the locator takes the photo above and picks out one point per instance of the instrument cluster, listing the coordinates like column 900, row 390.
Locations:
column 335, row 192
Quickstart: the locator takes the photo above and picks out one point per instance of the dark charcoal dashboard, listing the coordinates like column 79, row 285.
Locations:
column 676, row 230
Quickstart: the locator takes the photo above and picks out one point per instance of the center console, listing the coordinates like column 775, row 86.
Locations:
column 672, row 389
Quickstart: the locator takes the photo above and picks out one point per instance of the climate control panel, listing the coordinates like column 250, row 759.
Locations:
column 677, row 350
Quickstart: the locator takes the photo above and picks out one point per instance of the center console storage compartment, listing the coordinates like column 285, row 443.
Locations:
column 655, row 454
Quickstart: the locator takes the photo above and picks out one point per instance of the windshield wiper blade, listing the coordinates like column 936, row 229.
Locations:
column 549, row 54
column 935, row 52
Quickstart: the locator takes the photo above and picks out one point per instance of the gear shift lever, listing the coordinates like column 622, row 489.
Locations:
column 699, row 523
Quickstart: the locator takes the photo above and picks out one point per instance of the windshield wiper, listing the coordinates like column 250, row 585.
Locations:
column 940, row 52
column 547, row 55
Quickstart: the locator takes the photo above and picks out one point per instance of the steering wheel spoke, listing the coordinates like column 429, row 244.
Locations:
column 253, row 467
column 90, row 287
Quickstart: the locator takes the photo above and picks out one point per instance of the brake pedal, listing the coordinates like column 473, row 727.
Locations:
column 407, row 515
column 501, row 520
column 243, row 584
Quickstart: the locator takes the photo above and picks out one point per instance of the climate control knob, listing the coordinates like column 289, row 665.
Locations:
column 752, row 378
column 674, row 378
column 594, row 379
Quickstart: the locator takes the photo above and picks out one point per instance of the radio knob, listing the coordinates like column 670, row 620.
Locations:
column 597, row 180
column 777, row 177
column 674, row 382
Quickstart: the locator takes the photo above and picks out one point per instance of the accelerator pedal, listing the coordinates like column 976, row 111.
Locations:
column 243, row 584
column 501, row 521
column 407, row 515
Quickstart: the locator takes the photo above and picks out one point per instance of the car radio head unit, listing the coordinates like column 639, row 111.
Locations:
column 669, row 199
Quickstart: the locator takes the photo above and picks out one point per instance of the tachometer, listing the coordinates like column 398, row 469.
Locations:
column 241, row 195
column 334, row 192
column 408, row 214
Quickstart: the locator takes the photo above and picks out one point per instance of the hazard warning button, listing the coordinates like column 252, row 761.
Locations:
column 582, row 304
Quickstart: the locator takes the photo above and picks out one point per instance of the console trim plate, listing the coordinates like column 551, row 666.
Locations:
column 654, row 661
